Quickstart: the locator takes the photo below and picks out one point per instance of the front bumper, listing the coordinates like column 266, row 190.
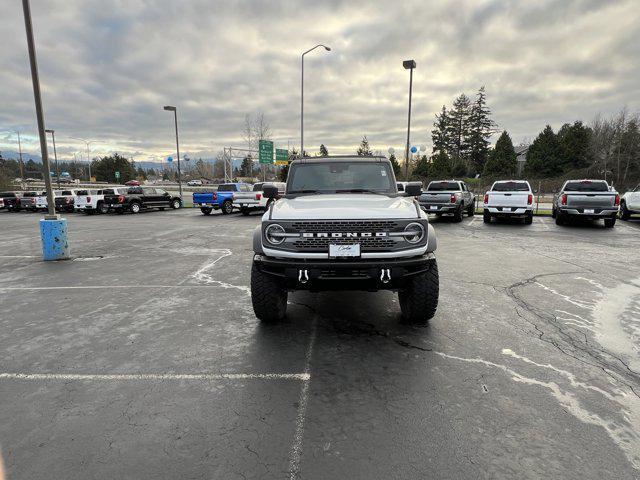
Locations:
column 360, row 274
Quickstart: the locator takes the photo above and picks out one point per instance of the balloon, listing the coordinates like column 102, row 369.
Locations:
column 414, row 149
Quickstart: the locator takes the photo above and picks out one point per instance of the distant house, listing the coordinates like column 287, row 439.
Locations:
column 521, row 159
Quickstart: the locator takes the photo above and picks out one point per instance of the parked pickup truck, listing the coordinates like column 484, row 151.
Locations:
column 255, row 200
column 137, row 199
column 448, row 197
column 590, row 199
column 509, row 198
column 222, row 199
column 91, row 201
column 342, row 225
column 65, row 200
column 630, row 203
column 10, row 201
column 27, row 201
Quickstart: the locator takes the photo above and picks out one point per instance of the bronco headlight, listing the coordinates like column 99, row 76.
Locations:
column 274, row 234
column 414, row 232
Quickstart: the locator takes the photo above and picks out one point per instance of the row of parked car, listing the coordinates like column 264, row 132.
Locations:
column 92, row 201
column 589, row 199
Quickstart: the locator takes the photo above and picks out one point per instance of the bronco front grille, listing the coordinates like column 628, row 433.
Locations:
column 345, row 226
column 323, row 243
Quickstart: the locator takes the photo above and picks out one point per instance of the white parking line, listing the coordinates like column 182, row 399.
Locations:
column 156, row 376
column 296, row 448
column 542, row 222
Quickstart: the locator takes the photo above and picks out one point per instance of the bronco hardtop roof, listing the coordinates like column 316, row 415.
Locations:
column 340, row 158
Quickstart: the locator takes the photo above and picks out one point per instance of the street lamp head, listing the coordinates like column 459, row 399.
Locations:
column 409, row 64
column 328, row 49
column 48, row 130
column 169, row 108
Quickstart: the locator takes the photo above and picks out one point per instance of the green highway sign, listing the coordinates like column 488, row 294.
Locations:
column 282, row 156
column 265, row 151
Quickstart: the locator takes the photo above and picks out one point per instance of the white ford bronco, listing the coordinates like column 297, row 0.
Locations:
column 342, row 225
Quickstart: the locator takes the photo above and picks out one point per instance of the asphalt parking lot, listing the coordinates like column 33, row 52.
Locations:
column 141, row 358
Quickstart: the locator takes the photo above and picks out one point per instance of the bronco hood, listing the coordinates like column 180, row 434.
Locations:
column 348, row 206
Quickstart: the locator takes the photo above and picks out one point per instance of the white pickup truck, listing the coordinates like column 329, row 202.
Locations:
column 255, row 200
column 90, row 201
column 588, row 199
column 630, row 203
column 343, row 225
column 509, row 199
column 65, row 201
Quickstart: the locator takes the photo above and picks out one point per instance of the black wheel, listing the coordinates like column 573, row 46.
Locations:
column 609, row 222
column 176, row 203
column 419, row 298
column 624, row 212
column 472, row 209
column 457, row 217
column 205, row 210
column 528, row 219
column 245, row 211
column 554, row 214
column 268, row 296
column 559, row 219
column 227, row 207
column 103, row 208
column 486, row 216
column 135, row 207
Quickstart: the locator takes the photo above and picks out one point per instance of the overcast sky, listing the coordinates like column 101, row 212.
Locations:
column 107, row 68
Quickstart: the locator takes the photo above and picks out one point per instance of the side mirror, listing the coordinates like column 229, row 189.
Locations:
column 270, row 191
column 413, row 189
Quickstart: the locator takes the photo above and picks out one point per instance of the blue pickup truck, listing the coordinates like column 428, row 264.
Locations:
column 222, row 199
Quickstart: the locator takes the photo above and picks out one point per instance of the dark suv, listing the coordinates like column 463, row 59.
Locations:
column 138, row 198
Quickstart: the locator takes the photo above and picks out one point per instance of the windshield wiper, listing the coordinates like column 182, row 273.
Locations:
column 360, row 190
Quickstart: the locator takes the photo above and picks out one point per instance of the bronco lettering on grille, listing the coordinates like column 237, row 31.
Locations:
column 344, row 234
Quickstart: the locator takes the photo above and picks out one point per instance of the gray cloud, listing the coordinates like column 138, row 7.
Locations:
column 107, row 68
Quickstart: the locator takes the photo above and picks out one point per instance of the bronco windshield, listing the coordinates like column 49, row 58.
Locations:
column 357, row 176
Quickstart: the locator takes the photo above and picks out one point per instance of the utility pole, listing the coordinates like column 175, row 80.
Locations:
column 408, row 65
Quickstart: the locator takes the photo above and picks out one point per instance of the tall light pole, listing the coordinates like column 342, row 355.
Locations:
column 55, row 154
column 21, row 162
column 328, row 49
column 87, row 143
column 169, row 108
column 408, row 65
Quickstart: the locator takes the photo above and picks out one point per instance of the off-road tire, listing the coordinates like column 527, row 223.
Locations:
column 624, row 212
column 227, row 207
column 457, row 216
column 486, row 216
column 206, row 211
column 102, row 208
column 135, row 207
column 471, row 211
column 268, row 296
column 528, row 219
column 419, row 298
column 609, row 222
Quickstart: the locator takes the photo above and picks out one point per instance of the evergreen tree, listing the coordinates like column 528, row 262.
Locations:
column 440, row 165
column 574, row 140
column 440, row 134
column 142, row 175
column 363, row 149
column 545, row 156
column 458, row 128
column 481, row 128
column 422, row 168
column 459, row 169
column 502, row 160
column 246, row 167
column 323, row 151
column 396, row 165
column 105, row 168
